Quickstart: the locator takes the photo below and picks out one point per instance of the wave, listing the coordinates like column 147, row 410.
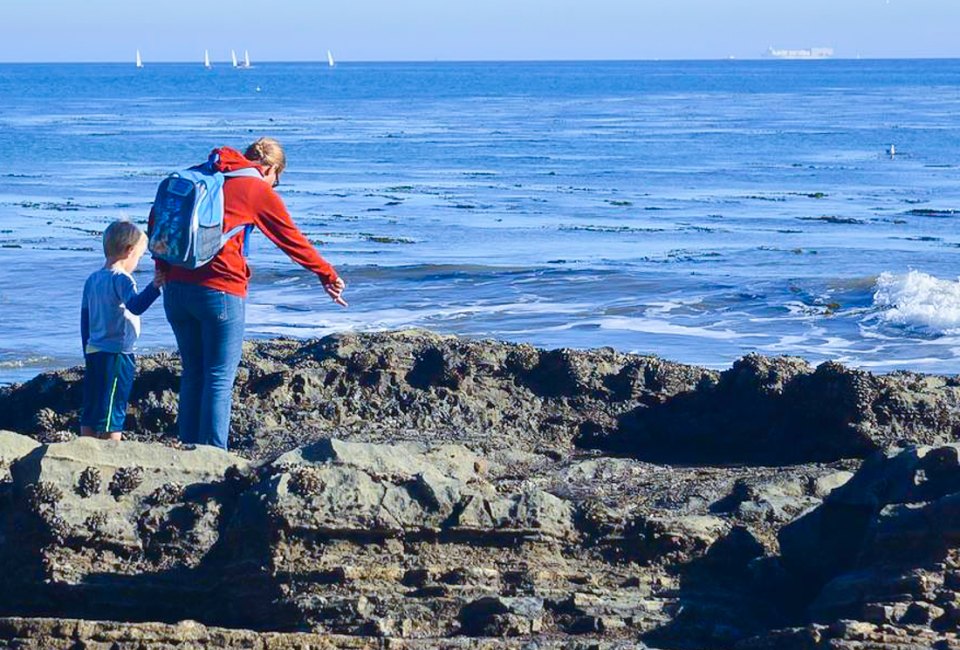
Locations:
column 920, row 301
column 24, row 362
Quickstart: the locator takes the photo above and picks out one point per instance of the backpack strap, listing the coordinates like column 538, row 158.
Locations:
column 248, row 172
column 247, row 230
column 247, row 234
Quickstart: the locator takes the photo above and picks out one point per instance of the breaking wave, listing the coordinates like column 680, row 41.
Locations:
column 918, row 300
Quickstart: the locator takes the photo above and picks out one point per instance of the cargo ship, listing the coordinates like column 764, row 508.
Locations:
column 811, row 53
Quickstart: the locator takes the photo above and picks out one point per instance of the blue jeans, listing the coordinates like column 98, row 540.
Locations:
column 208, row 325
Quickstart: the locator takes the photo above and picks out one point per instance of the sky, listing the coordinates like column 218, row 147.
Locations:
column 428, row 30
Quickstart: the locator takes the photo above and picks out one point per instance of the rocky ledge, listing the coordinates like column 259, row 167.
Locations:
column 406, row 490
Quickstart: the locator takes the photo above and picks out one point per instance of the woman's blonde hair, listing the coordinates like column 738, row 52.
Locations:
column 267, row 152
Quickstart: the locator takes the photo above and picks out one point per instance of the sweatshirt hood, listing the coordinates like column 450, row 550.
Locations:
column 226, row 159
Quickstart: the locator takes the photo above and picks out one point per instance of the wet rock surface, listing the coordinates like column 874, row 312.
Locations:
column 439, row 492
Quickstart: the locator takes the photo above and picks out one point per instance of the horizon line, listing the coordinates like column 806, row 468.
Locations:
column 530, row 60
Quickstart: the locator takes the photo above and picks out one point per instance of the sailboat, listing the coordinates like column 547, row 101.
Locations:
column 330, row 58
column 246, row 59
column 233, row 57
column 206, row 59
column 139, row 60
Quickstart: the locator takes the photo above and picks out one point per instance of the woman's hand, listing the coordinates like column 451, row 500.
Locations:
column 335, row 291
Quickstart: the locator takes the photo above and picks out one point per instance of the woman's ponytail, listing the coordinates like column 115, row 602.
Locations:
column 267, row 152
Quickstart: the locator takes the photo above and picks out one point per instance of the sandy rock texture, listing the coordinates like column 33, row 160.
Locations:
column 410, row 490
column 70, row 634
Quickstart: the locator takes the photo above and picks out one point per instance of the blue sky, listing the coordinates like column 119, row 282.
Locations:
column 403, row 30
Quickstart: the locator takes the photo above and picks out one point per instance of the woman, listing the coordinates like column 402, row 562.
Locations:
column 205, row 306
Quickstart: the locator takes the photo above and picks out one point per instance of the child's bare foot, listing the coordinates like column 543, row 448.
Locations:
column 113, row 435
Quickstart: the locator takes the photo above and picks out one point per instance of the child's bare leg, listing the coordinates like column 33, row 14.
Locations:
column 87, row 431
column 113, row 435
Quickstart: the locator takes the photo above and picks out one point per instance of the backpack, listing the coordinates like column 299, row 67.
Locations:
column 187, row 227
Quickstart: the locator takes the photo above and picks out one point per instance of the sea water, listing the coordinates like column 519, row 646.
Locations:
column 694, row 210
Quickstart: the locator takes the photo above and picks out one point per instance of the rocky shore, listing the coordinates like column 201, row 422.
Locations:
column 407, row 490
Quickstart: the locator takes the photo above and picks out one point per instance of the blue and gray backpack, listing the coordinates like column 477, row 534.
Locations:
column 187, row 225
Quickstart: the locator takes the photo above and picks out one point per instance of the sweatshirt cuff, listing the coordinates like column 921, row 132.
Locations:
column 328, row 278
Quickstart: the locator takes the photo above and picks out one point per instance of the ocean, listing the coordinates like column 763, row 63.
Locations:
column 694, row 210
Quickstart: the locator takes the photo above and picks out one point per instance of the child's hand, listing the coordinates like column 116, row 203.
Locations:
column 159, row 278
column 335, row 291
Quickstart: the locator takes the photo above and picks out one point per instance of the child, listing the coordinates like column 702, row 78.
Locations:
column 109, row 327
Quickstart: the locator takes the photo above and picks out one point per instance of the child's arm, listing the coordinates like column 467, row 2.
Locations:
column 84, row 321
column 84, row 327
column 136, row 303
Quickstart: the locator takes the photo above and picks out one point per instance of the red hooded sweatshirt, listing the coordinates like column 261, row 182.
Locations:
column 249, row 201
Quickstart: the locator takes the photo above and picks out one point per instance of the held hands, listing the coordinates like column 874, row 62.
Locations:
column 335, row 291
column 159, row 278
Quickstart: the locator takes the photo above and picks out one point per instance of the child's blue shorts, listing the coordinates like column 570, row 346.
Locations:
column 106, row 388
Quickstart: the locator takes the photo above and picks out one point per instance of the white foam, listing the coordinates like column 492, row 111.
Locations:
column 657, row 326
column 919, row 300
column 891, row 364
column 267, row 319
column 665, row 307
column 26, row 362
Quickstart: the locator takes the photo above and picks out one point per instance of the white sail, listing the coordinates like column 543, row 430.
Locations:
column 206, row 59
column 330, row 58
column 233, row 57
column 246, row 59
column 139, row 60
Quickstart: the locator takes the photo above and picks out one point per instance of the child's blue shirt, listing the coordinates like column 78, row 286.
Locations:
column 110, row 314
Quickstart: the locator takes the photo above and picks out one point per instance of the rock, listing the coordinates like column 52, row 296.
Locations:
column 921, row 613
column 415, row 531
column 851, row 635
column 359, row 489
column 880, row 613
column 887, row 504
column 878, row 547
column 774, row 501
column 67, row 634
column 291, row 393
column 797, row 638
column 397, row 461
column 586, row 613
column 678, row 539
column 408, row 487
column 824, row 485
column 849, row 594
column 13, row 446
column 531, row 513
column 762, row 410
column 93, row 477
column 88, row 509
column 777, row 411
column 499, row 616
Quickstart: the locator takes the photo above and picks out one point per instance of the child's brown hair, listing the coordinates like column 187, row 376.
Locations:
column 119, row 237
